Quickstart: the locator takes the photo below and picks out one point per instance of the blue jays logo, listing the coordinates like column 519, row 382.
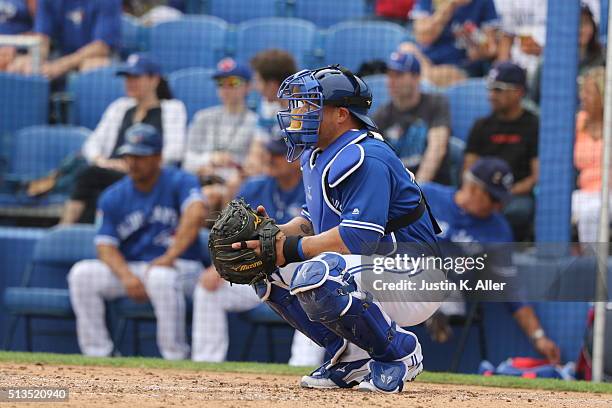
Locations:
column 76, row 16
column 226, row 65
column 133, row 60
column 7, row 11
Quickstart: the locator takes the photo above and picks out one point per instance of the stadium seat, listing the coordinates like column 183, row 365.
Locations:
column 380, row 91
column 133, row 36
column 195, row 87
column 468, row 102
column 293, row 35
column 44, row 292
column 262, row 316
column 193, row 41
column 237, row 11
column 91, row 93
column 353, row 43
column 24, row 101
column 325, row 13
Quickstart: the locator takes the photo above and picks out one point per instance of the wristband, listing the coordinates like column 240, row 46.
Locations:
column 537, row 335
column 292, row 249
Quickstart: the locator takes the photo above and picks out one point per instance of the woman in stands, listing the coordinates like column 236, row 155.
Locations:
column 149, row 100
column 588, row 148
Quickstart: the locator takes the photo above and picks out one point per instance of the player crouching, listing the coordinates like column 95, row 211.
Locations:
column 358, row 196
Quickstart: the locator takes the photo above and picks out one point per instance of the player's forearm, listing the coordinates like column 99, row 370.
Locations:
column 527, row 320
column 297, row 226
column 188, row 229
column 329, row 240
column 111, row 256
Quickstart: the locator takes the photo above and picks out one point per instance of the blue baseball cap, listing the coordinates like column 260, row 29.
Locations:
column 276, row 146
column 139, row 64
column 228, row 67
column 494, row 175
column 506, row 73
column 141, row 139
column 404, row 62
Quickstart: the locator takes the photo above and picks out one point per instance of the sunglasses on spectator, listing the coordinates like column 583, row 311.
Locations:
column 501, row 86
column 230, row 81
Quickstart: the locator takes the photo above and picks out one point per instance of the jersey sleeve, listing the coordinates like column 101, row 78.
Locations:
column 44, row 22
column 365, row 199
column 188, row 191
column 107, row 233
column 489, row 15
column 107, row 26
column 422, row 8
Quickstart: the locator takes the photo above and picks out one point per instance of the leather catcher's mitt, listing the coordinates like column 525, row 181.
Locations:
column 238, row 223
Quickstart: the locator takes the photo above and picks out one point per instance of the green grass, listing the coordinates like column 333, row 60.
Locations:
column 283, row 369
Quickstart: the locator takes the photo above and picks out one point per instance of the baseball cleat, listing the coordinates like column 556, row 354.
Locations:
column 390, row 379
column 341, row 375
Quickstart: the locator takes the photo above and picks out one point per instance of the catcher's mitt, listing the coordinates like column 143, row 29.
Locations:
column 238, row 223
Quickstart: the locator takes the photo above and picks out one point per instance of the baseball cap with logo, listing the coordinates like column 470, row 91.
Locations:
column 141, row 140
column 494, row 175
column 139, row 64
column 404, row 62
column 506, row 75
column 228, row 67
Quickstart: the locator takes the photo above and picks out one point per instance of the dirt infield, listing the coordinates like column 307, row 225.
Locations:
column 143, row 387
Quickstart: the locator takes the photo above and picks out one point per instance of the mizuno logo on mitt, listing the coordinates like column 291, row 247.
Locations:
column 248, row 266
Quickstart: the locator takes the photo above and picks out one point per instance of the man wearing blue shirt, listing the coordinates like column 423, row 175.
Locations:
column 15, row 18
column 458, row 34
column 473, row 214
column 83, row 33
column 148, row 248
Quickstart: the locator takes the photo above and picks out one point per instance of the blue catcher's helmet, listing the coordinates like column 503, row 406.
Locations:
column 307, row 92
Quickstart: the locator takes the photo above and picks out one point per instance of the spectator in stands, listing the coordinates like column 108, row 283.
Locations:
column 282, row 194
column 416, row 124
column 510, row 133
column 588, row 148
column 591, row 51
column 84, row 35
column 152, row 12
column 395, row 11
column 472, row 214
column 219, row 137
column 457, row 37
column 523, row 33
column 149, row 100
column 148, row 248
column 16, row 17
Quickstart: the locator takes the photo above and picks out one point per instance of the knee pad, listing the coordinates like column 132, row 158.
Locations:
column 289, row 308
column 329, row 295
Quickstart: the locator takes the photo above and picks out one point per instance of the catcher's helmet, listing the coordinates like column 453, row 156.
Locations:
column 307, row 92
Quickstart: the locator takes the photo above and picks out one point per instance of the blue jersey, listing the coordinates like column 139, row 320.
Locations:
column 358, row 184
column 281, row 205
column 72, row 24
column 14, row 17
column 459, row 226
column 142, row 225
column 445, row 50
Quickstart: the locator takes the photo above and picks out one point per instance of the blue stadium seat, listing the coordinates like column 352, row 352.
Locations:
column 353, row 43
column 380, row 91
column 325, row 13
column 195, row 87
column 24, row 101
column 468, row 102
column 293, row 35
column 194, row 41
column 44, row 292
column 237, row 11
column 262, row 316
column 91, row 93
column 133, row 36
column 40, row 149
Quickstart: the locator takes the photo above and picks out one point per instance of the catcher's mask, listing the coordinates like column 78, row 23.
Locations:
column 307, row 92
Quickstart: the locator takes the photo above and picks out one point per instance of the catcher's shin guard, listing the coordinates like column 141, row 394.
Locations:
column 329, row 295
column 288, row 307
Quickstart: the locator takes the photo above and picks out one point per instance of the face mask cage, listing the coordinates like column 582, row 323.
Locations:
column 301, row 120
